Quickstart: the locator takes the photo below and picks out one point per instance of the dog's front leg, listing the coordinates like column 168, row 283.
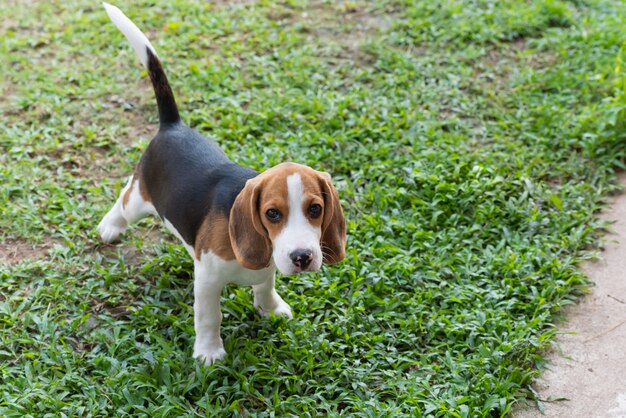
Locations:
column 207, row 290
column 267, row 300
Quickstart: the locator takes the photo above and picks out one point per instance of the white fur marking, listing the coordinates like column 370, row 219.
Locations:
column 207, row 289
column 267, row 300
column 136, row 208
column 137, row 39
column 298, row 233
column 212, row 273
column 174, row 231
column 117, row 219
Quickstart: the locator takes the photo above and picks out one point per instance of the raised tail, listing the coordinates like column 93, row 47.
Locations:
column 168, row 111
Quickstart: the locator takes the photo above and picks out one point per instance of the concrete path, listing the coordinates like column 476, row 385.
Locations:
column 588, row 365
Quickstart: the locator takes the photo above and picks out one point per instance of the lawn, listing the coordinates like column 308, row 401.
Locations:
column 471, row 142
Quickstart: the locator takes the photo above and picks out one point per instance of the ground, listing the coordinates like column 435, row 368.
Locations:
column 472, row 142
column 584, row 373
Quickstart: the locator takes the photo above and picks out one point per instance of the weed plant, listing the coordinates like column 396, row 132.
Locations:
column 472, row 142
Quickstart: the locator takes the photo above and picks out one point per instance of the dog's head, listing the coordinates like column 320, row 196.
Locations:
column 290, row 213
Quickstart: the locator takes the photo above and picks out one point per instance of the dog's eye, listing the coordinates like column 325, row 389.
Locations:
column 315, row 210
column 273, row 215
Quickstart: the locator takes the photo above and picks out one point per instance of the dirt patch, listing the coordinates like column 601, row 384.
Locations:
column 135, row 109
column 135, row 255
column 586, row 369
column 499, row 63
column 357, row 24
column 7, row 93
column 14, row 251
column 223, row 3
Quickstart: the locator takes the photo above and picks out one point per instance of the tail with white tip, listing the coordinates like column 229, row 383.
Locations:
column 168, row 111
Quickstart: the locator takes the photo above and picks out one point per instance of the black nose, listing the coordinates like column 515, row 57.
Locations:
column 301, row 258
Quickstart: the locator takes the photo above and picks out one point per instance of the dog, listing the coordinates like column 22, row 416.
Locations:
column 237, row 224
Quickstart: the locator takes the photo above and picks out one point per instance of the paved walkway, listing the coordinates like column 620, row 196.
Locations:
column 588, row 365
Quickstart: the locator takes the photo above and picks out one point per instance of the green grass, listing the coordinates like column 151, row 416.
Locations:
column 471, row 142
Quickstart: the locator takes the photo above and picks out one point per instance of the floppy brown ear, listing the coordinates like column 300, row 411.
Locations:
column 334, row 224
column 248, row 237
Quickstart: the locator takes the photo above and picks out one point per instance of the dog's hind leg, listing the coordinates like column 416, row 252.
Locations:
column 131, row 206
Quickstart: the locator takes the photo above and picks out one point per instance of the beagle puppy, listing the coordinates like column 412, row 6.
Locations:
column 238, row 225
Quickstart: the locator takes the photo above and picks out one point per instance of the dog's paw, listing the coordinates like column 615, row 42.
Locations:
column 283, row 310
column 209, row 355
column 110, row 231
column 110, row 234
column 280, row 309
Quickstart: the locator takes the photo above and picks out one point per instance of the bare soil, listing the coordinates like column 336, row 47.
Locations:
column 13, row 251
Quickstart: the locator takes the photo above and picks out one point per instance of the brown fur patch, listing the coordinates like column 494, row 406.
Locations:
column 127, row 193
column 275, row 195
column 333, row 240
column 318, row 188
column 249, row 235
column 142, row 189
column 214, row 236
